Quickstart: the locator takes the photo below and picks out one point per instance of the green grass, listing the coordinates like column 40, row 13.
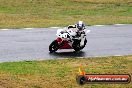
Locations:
column 45, row 13
column 62, row 73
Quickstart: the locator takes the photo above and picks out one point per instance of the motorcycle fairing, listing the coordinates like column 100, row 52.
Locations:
column 65, row 44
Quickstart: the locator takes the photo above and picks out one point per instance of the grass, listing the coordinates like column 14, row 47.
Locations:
column 62, row 73
column 45, row 13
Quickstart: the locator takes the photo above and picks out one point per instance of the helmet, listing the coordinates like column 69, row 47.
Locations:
column 80, row 25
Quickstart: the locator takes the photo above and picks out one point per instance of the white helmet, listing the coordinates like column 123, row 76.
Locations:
column 80, row 25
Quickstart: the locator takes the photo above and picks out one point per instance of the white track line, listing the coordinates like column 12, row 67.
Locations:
column 119, row 24
column 54, row 27
column 117, row 55
column 60, row 27
column 28, row 28
column 5, row 29
column 99, row 25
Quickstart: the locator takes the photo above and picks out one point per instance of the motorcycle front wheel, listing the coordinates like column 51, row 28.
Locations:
column 53, row 46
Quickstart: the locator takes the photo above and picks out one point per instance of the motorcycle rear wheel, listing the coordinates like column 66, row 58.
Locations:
column 76, row 45
column 85, row 42
column 53, row 47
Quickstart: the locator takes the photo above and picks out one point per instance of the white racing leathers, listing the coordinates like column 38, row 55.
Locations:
column 81, row 35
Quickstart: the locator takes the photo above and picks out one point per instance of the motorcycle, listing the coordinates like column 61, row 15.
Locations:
column 66, row 40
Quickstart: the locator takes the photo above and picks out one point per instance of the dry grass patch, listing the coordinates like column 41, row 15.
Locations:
column 103, row 1
column 61, row 73
column 43, row 13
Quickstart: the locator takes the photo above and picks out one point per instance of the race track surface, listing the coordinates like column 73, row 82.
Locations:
column 32, row 44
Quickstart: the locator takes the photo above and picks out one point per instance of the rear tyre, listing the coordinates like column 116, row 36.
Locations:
column 85, row 42
column 53, row 47
column 76, row 45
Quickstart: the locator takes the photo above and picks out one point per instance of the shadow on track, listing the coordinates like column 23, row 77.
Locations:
column 68, row 54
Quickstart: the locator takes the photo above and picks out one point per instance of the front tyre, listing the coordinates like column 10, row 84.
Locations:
column 53, row 46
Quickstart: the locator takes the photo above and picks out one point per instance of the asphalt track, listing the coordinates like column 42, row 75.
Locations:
column 32, row 44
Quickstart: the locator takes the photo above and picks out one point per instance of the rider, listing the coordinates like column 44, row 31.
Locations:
column 80, row 27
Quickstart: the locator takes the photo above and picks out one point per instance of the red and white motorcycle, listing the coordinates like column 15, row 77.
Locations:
column 66, row 40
